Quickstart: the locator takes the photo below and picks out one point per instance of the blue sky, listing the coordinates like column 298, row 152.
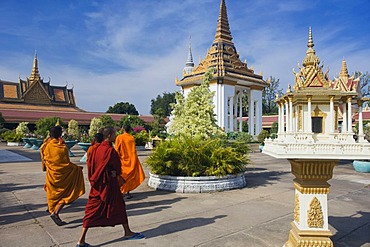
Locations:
column 133, row 50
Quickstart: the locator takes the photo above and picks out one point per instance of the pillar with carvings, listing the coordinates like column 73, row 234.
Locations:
column 310, row 227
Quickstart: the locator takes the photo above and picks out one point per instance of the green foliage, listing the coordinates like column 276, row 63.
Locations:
column 22, row 129
column 73, row 132
column 162, row 104
column 240, row 136
column 274, row 128
column 11, row 136
column 44, row 125
column 262, row 136
column 95, row 125
column 196, row 156
column 269, row 106
column 123, row 108
column 194, row 115
column 132, row 120
column 107, row 121
column 158, row 127
column 141, row 138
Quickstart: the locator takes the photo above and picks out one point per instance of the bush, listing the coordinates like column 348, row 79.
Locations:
column 262, row 136
column 192, row 156
column 22, row 129
column 44, row 125
column 11, row 136
column 141, row 138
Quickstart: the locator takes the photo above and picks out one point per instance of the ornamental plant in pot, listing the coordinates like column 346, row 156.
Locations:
column 71, row 135
column 197, row 148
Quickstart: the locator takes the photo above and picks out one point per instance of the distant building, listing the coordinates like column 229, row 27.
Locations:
column 32, row 99
column 34, row 91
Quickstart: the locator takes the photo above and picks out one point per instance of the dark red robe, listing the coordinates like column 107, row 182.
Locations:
column 105, row 206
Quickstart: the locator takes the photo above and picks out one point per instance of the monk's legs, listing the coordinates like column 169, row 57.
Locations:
column 58, row 208
column 81, row 241
column 128, row 232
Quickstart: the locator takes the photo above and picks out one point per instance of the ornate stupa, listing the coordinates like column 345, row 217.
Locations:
column 310, row 137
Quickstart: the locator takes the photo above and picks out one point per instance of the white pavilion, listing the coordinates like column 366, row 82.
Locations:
column 309, row 137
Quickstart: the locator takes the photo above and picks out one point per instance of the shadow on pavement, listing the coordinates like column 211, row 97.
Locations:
column 172, row 227
column 361, row 234
column 263, row 178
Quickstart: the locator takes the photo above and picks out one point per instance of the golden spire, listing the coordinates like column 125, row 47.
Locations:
column 223, row 28
column 35, row 76
column 311, row 58
column 344, row 70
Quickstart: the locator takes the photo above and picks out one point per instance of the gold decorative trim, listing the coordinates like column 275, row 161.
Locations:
column 315, row 218
column 296, row 208
column 311, row 190
column 313, row 173
column 300, row 119
column 310, row 238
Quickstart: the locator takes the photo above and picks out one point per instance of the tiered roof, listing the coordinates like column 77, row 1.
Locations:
column 224, row 59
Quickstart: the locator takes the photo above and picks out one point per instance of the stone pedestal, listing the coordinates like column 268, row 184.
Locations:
column 310, row 227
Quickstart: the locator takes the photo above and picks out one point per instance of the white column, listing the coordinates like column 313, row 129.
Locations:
column 360, row 123
column 282, row 118
column 279, row 117
column 332, row 121
column 349, row 117
column 240, row 112
column 231, row 110
column 309, row 120
column 287, row 116
column 251, row 116
column 345, row 120
column 290, row 114
column 258, row 116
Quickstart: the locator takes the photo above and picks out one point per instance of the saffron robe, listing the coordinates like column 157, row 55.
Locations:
column 64, row 181
column 105, row 206
column 132, row 171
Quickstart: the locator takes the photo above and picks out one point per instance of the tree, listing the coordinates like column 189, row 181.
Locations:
column 364, row 83
column 132, row 121
column 95, row 125
column 194, row 115
column 123, row 108
column 162, row 103
column 107, row 121
column 269, row 106
column 43, row 126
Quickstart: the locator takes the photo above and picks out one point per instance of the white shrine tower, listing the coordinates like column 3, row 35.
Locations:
column 231, row 79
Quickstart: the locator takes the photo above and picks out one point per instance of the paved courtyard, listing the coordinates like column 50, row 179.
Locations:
column 258, row 215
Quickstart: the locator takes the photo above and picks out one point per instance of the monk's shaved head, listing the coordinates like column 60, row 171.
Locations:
column 108, row 131
column 56, row 132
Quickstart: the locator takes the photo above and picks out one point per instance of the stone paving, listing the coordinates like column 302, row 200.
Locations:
column 258, row 215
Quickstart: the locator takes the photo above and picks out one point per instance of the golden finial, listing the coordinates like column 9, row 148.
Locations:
column 344, row 70
column 57, row 123
column 276, row 96
column 310, row 40
column 261, row 73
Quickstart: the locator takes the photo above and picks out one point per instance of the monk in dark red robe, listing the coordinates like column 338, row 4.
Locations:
column 105, row 206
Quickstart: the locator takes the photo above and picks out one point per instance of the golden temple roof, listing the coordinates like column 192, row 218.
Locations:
column 224, row 59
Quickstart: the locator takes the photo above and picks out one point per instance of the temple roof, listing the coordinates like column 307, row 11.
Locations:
column 35, row 91
column 224, row 59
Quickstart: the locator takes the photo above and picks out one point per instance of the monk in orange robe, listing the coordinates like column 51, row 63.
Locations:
column 64, row 181
column 132, row 171
column 105, row 206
